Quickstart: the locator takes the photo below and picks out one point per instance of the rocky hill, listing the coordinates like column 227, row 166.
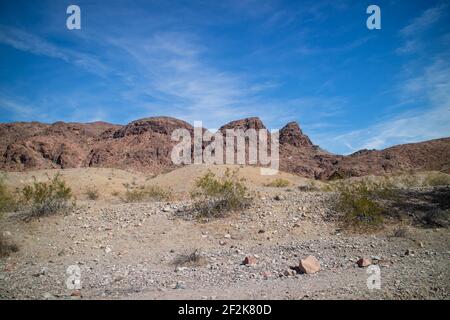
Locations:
column 145, row 145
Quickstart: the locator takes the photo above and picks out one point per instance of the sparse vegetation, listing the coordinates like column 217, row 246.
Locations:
column 194, row 259
column 44, row 198
column 6, row 247
column 278, row 183
column 218, row 196
column 357, row 203
column 400, row 231
column 309, row 186
column 435, row 179
column 359, row 209
column 437, row 218
column 155, row 193
column 92, row 193
column 7, row 202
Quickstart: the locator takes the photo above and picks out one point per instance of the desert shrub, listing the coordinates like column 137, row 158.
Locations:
column 193, row 259
column 437, row 218
column 44, row 198
column 358, row 207
column 7, row 202
column 278, row 183
column 400, row 231
column 92, row 193
column 218, row 196
column 155, row 193
column 435, row 179
column 309, row 186
column 6, row 246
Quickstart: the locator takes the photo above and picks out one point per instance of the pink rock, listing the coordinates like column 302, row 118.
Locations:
column 250, row 260
column 309, row 265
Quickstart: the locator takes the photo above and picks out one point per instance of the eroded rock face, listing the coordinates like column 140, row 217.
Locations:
column 145, row 145
column 292, row 135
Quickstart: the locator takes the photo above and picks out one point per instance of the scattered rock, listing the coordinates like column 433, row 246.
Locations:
column 249, row 260
column 289, row 273
column 309, row 265
column 363, row 262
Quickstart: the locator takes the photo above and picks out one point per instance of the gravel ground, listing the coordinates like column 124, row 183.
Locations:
column 129, row 251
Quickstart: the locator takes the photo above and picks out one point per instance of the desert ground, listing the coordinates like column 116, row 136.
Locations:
column 141, row 250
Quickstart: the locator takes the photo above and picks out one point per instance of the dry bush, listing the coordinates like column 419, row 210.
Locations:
column 92, row 193
column 218, row 196
column 360, row 203
column 194, row 259
column 436, row 179
column 359, row 210
column 400, row 231
column 140, row 194
column 44, row 198
column 115, row 193
column 437, row 218
column 6, row 247
column 7, row 202
column 310, row 186
column 278, row 183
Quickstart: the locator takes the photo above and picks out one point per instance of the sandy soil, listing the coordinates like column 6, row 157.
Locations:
column 130, row 250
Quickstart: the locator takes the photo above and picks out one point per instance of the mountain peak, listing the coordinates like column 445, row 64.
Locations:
column 293, row 135
column 245, row 124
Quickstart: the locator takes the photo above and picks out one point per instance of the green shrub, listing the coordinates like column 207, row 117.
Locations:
column 92, row 193
column 217, row 196
column 278, row 183
column 358, row 207
column 45, row 198
column 142, row 193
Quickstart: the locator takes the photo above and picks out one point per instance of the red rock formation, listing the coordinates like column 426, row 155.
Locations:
column 145, row 145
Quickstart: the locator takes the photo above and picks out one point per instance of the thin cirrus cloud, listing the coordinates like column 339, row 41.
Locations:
column 34, row 44
column 412, row 33
column 415, row 125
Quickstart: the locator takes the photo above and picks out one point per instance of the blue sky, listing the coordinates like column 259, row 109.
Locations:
column 314, row 62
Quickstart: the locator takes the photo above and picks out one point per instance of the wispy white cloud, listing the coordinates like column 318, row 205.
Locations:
column 425, row 20
column 412, row 32
column 25, row 41
column 429, row 122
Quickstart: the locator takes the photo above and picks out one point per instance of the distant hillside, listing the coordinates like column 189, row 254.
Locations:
column 145, row 145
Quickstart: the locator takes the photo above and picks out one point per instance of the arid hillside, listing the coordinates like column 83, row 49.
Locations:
column 145, row 146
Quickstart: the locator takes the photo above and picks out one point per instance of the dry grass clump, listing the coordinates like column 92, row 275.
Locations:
column 92, row 193
column 278, row 183
column 7, row 202
column 310, row 186
column 435, row 179
column 154, row 193
column 6, row 246
column 218, row 196
column 193, row 259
